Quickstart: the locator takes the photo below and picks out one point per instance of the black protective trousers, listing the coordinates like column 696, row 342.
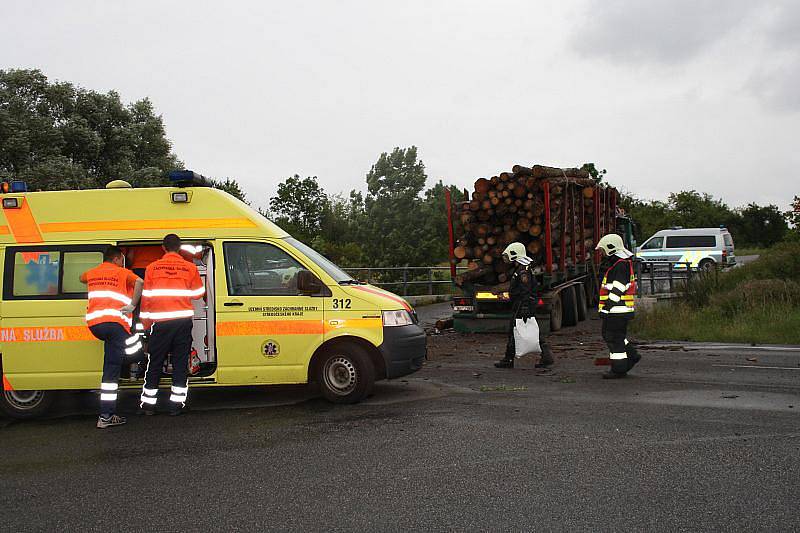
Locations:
column 113, row 336
column 172, row 337
column 622, row 353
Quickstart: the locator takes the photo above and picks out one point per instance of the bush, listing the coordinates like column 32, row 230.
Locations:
column 782, row 263
column 760, row 294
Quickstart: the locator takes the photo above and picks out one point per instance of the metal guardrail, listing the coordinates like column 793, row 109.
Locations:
column 662, row 277
column 407, row 277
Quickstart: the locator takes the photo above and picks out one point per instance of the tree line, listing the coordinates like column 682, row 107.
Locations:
column 55, row 135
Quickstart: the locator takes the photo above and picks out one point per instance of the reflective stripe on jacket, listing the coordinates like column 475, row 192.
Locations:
column 110, row 287
column 170, row 285
column 618, row 288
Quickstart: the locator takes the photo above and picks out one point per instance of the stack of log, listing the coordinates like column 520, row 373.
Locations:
column 510, row 207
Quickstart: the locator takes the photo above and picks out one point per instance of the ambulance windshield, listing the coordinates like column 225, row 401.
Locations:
column 339, row 275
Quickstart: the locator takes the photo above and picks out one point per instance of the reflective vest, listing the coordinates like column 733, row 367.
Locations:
column 110, row 287
column 170, row 285
column 617, row 297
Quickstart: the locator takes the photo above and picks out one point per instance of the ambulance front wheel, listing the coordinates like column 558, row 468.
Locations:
column 345, row 374
column 22, row 404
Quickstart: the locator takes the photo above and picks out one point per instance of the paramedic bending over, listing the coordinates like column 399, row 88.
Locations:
column 113, row 293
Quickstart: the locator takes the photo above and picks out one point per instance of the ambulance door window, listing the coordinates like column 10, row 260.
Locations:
column 260, row 269
column 36, row 273
column 75, row 264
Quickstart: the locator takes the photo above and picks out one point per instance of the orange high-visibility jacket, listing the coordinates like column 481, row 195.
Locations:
column 170, row 285
column 110, row 288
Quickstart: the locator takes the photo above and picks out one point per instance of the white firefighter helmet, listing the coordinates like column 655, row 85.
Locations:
column 612, row 244
column 515, row 252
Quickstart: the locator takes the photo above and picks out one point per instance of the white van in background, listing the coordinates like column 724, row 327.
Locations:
column 702, row 248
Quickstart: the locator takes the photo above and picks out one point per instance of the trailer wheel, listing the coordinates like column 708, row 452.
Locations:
column 24, row 404
column 556, row 313
column 583, row 308
column 345, row 374
column 569, row 303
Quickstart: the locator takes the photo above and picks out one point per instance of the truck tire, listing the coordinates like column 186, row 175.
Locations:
column 569, row 302
column 583, row 306
column 345, row 374
column 706, row 265
column 26, row 404
column 556, row 313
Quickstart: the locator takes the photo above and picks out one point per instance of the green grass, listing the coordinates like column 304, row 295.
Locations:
column 758, row 303
column 779, row 324
column 502, row 388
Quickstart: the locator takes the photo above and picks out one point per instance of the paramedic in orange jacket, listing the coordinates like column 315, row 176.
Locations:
column 170, row 285
column 113, row 292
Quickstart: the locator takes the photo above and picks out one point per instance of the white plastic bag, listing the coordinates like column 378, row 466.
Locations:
column 526, row 337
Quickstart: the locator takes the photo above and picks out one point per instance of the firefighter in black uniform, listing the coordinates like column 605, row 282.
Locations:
column 523, row 300
column 617, row 292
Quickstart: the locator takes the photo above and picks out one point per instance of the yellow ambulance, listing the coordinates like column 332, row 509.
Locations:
column 276, row 311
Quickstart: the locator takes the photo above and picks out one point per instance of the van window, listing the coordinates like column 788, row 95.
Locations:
column 654, row 244
column 36, row 273
column 691, row 241
column 728, row 239
column 260, row 269
column 75, row 264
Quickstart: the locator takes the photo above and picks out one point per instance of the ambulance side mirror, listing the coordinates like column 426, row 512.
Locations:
column 308, row 283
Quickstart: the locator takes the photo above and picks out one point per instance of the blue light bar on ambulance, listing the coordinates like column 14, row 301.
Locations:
column 187, row 178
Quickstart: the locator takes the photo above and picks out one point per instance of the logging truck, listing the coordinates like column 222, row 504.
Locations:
column 559, row 214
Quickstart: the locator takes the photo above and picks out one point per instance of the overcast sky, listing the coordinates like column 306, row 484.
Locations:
column 665, row 94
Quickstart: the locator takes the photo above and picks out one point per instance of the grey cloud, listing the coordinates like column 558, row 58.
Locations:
column 663, row 31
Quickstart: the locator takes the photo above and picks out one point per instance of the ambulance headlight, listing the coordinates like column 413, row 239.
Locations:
column 397, row 318
column 10, row 203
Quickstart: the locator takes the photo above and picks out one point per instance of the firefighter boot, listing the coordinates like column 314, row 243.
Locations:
column 505, row 363
column 547, row 358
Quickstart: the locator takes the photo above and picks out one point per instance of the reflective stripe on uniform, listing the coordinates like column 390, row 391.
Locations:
column 184, row 313
column 617, row 355
column 155, row 293
column 614, row 297
column 179, row 394
column 619, row 286
column 110, row 294
column 148, row 400
column 132, row 339
column 108, row 312
column 109, row 386
column 130, row 350
column 108, row 397
column 619, row 309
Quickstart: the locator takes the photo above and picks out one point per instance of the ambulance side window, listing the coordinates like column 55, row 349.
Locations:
column 260, row 269
column 36, row 273
column 75, row 264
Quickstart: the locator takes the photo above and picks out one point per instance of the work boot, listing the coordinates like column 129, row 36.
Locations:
column 505, row 363
column 104, row 422
column 613, row 375
column 545, row 361
column 146, row 411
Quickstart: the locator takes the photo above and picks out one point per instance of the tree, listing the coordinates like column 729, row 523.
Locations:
column 793, row 218
column 392, row 225
column 597, row 175
column 761, row 226
column 55, row 135
column 231, row 187
column 298, row 207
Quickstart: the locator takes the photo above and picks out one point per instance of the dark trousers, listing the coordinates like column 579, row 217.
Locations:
column 170, row 337
column 511, row 348
column 623, row 354
column 113, row 336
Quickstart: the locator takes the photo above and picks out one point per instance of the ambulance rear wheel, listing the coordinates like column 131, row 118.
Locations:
column 706, row 265
column 22, row 404
column 345, row 374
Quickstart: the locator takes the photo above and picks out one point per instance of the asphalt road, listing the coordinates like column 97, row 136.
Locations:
column 698, row 439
